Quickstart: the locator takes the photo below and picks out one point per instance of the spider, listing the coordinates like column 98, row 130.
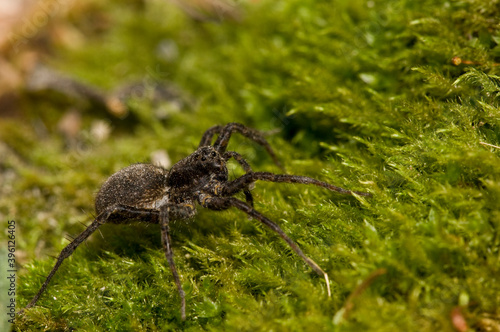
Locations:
column 152, row 194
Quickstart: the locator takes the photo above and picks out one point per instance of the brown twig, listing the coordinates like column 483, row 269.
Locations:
column 490, row 145
column 458, row 320
column 459, row 61
column 349, row 303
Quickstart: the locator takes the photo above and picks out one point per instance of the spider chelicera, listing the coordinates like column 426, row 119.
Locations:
column 152, row 194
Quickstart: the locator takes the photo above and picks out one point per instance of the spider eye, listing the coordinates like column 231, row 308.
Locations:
column 213, row 154
column 203, row 158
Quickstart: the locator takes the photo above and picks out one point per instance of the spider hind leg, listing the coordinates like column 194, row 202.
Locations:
column 110, row 214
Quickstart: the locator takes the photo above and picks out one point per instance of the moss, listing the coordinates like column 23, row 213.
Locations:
column 365, row 96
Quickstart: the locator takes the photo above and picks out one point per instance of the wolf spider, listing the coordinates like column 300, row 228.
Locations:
column 152, row 194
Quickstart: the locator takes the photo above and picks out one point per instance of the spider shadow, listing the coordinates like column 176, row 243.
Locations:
column 137, row 238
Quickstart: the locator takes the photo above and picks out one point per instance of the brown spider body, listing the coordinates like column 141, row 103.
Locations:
column 141, row 186
column 152, row 194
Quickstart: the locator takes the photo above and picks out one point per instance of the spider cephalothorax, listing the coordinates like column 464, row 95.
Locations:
column 198, row 169
column 152, row 194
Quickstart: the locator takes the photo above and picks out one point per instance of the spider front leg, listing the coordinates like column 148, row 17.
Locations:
column 167, row 246
column 243, row 163
column 207, row 137
column 110, row 214
column 222, row 203
column 232, row 187
column 225, row 133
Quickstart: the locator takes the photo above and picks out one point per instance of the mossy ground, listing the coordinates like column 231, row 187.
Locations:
column 365, row 96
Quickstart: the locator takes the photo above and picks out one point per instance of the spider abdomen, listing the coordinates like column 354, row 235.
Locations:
column 142, row 186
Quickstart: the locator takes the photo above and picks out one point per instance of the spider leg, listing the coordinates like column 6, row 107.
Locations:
column 248, row 197
column 222, row 203
column 101, row 219
column 169, row 254
column 243, row 163
column 207, row 137
column 242, row 182
column 225, row 133
column 239, row 158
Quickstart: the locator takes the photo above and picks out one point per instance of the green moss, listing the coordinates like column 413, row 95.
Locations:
column 364, row 95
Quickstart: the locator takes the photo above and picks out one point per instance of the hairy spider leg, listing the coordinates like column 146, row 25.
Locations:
column 239, row 158
column 207, row 137
column 166, row 241
column 109, row 213
column 243, row 163
column 225, row 134
column 232, row 187
column 221, row 203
